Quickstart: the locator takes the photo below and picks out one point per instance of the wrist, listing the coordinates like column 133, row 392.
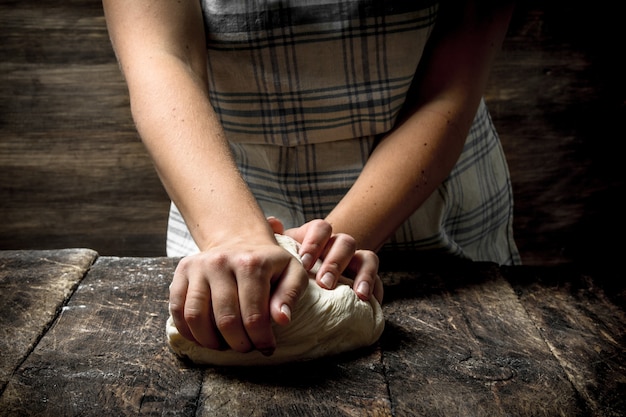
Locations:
column 238, row 234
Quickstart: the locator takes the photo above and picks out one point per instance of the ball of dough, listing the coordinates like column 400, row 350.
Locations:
column 323, row 323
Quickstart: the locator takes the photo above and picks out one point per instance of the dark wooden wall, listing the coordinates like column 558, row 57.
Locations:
column 73, row 172
column 558, row 98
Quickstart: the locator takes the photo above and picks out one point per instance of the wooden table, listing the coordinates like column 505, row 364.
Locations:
column 84, row 335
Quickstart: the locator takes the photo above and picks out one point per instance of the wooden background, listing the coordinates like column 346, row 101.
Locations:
column 73, row 172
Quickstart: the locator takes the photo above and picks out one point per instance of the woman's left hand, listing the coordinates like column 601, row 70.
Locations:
column 338, row 255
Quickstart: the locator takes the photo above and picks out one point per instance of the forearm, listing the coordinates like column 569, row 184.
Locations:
column 160, row 45
column 414, row 158
column 182, row 134
column 402, row 172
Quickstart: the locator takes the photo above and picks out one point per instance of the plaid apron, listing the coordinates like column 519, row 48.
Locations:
column 303, row 90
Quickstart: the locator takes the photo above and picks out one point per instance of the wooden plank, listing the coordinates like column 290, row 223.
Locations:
column 457, row 342
column 556, row 95
column 34, row 286
column 584, row 330
column 460, row 343
column 73, row 171
column 352, row 384
column 107, row 350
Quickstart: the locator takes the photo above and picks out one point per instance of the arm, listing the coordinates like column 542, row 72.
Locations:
column 415, row 157
column 160, row 46
column 242, row 277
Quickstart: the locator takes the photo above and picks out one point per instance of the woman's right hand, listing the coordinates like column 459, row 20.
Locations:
column 228, row 295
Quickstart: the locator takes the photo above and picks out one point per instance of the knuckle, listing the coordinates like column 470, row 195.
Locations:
column 254, row 321
column 249, row 262
column 292, row 294
column 333, row 267
column 195, row 264
column 346, row 241
column 226, row 322
column 314, row 246
column 176, row 308
column 322, row 226
column 369, row 257
column 192, row 315
column 216, row 260
column 183, row 266
column 195, row 309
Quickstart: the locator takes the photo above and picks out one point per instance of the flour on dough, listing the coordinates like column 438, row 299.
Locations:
column 323, row 323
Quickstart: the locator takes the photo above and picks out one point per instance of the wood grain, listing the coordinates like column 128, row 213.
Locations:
column 107, row 350
column 584, row 330
column 557, row 97
column 34, row 287
column 73, row 172
column 460, row 343
column 461, row 339
column 353, row 384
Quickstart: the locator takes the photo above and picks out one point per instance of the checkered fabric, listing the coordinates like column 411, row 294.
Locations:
column 303, row 90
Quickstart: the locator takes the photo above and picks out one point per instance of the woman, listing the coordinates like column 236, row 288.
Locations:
column 359, row 125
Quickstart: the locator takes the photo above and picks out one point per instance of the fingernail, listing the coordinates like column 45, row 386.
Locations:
column 328, row 280
column 306, row 260
column 267, row 351
column 363, row 289
column 286, row 311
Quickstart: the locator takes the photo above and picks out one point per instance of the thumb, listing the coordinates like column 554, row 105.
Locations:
column 276, row 225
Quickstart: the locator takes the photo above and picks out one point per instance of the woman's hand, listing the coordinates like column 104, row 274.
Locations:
column 338, row 255
column 228, row 295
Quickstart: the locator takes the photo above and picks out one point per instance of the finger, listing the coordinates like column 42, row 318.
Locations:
column 276, row 225
column 254, row 295
column 314, row 238
column 178, row 292
column 227, row 315
column 289, row 288
column 197, row 312
column 364, row 266
column 338, row 254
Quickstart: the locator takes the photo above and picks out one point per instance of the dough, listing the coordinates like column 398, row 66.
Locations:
column 323, row 323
